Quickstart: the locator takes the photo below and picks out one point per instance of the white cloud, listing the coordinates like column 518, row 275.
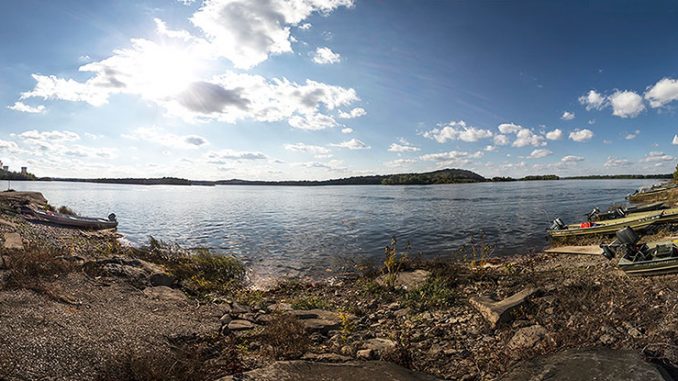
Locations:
column 556, row 134
column 159, row 136
column 632, row 135
column 567, row 115
column 223, row 156
column 403, row 146
column 581, row 135
column 346, row 130
column 540, row 153
column 354, row 113
column 324, row 56
column 454, row 130
column 526, row 137
column 501, row 140
column 675, row 139
column 626, row 104
column 593, row 100
column 400, row 162
column 663, row 92
column 452, row 157
column 22, row 107
column 353, row 144
column 246, row 32
column 301, row 147
column 509, row 128
column 571, row 159
column 657, row 156
column 612, row 162
column 490, row 148
column 6, row 145
column 49, row 136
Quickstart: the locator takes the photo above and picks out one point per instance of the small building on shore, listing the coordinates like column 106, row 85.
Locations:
column 24, row 171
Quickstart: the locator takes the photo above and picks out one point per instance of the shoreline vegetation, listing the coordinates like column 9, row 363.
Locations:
column 80, row 305
column 444, row 176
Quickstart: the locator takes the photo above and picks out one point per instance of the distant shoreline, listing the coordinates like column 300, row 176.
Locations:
column 306, row 183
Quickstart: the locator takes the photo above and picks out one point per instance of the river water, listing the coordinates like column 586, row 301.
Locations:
column 280, row 230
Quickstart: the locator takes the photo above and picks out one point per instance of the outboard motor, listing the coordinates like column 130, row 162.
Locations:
column 607, row 252
column 592, row 214
column 558, row 224
column 112, row 217
column 627, row 236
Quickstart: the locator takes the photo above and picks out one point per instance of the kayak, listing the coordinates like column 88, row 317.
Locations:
column 654, row 258
column 73, row 221
column 596, row 215
column 638, row 221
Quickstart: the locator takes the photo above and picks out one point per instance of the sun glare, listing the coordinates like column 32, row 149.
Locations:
column 167, row 70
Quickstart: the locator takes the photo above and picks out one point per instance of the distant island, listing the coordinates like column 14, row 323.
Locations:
column 443, row 176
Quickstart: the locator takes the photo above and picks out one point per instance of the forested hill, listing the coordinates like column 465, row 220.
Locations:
column 444, row 176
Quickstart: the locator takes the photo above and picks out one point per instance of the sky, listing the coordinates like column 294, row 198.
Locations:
column 319, row 89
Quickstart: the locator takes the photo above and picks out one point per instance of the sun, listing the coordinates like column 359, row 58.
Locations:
column 165, row 70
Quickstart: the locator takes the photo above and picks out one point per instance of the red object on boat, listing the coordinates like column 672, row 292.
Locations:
column 585, row 225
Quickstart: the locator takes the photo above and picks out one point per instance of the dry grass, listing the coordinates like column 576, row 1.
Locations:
column 284, row 338
column 36, row 265
column 186, row 359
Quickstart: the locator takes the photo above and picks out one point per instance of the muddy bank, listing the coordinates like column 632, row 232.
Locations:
column 77, row 305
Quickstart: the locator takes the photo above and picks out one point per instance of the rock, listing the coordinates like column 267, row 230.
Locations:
column 408, row 280
column 379, row 346
column 165, row 293
column 365, row 354
column 4, row 262
column 402, row 312
column 318, row 320
column 240, row 325
column 140, row 273
column 280, row 307
column 225, row 319
column 235, row 308
column 393, row 306
column 13, row 241
column 600, row 365
column 24, row 198
column 8, row 223
column 317, row 371
column 606, row 339
column 527, row 337
column 500, row 311
column 325, row 357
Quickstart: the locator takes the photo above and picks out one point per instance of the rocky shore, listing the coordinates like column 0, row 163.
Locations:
column 76, row 305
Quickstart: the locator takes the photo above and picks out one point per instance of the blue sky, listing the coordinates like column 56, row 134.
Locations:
column 316, row 89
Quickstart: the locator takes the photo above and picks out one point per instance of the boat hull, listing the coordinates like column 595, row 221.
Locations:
column 651, row 267
column 637, row 221
column 74, row 221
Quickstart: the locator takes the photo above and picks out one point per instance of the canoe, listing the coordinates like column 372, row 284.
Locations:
column 638, row 221
column 73, row 221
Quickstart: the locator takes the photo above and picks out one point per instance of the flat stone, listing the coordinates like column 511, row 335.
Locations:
column 600, row 365
column 527, row 337
column 235, row 308
column 280, row 307
column 165, row 293
column 365, row 354
column 325, row 357
column 318, row 371
column 500, row 311
column 379, row 346
column 13, row 241
column 407, row 280
column 318, row 320
column 240, row 325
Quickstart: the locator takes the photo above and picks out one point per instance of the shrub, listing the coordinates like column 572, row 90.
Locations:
column 28, row 269
column 66, row 210
column 438, row 292
column 199, row 270
column 310, row 302
column 284, row 338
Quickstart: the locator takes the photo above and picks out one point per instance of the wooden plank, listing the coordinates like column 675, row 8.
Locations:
column 584, row 250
